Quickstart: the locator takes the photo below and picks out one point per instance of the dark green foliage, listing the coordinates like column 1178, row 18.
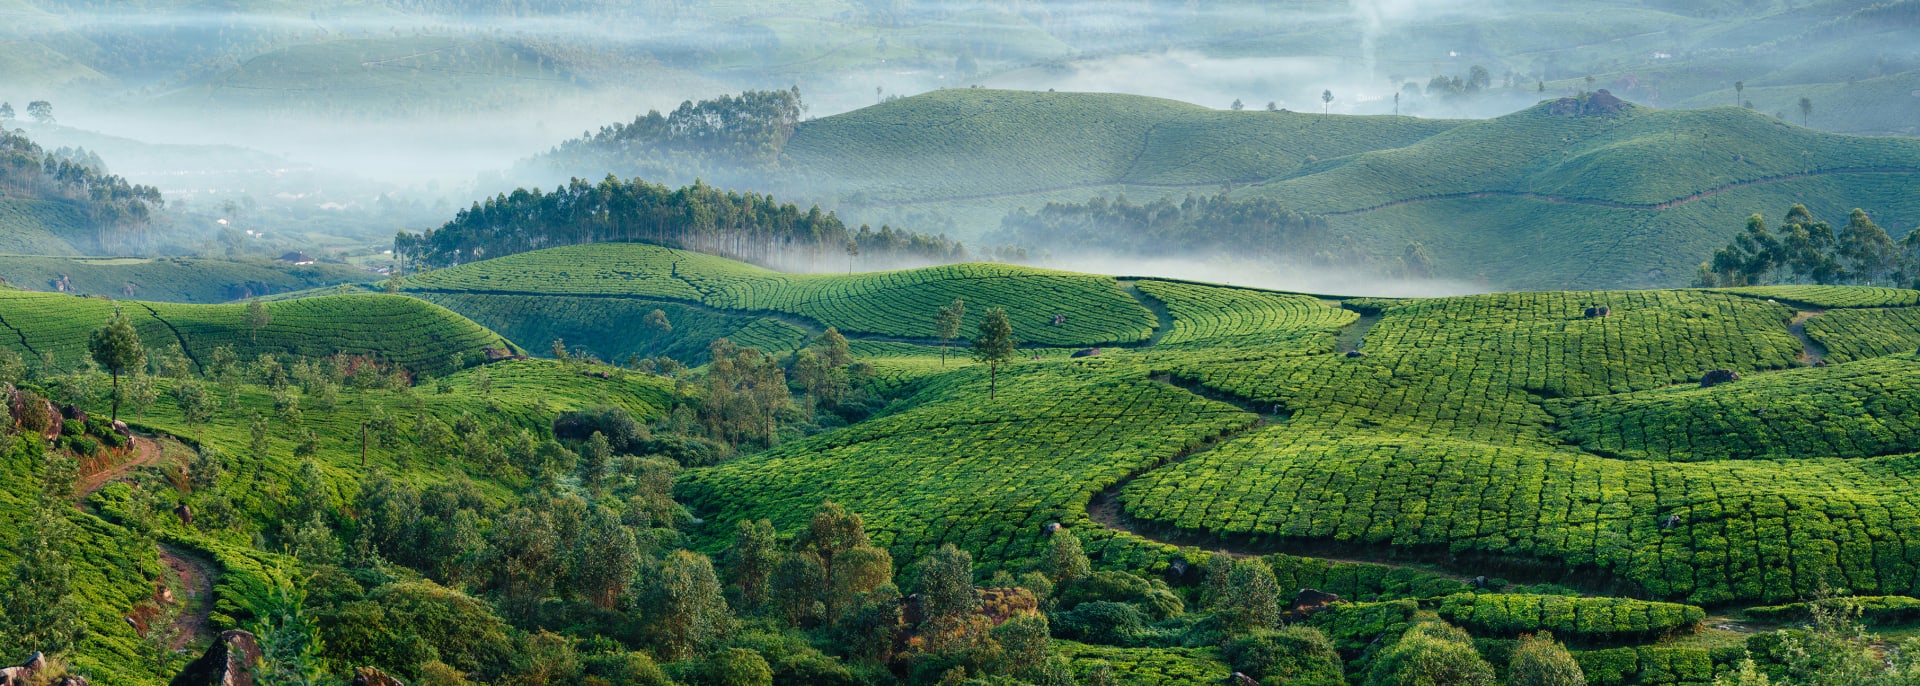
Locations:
column 1807, row 250
column 946, row 584
column 1197, row 226
column 401, row 626
column 1288, row 655
column 750, row 226
column 1252, row 599
column 734, row 667
column 684, row 608
column 1101, row 621
column 1151, row 596
column 117, row 347
column 750, row 128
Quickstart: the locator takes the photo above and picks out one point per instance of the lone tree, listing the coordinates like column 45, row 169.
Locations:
column 656, row 322
column 1806, row 110
column 948, row 324
column 1739, row 92
column 1237, row 105
column 1326, row 102
column 41, row 111
column 994, row 346
column 257, row 318
column 853, row 251
column 116, row 346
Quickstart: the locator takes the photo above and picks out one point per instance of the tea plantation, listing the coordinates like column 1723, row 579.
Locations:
column 1507, row 463
column 881, row 304
column 402, row 331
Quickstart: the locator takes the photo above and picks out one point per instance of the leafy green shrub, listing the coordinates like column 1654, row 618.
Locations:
column 1539, row 660
column 1431, row 653
column 1151, row 595
column 1289, row 655
column 616, row 423
column 1100, row 621
column 84, row 446
column 730, row 667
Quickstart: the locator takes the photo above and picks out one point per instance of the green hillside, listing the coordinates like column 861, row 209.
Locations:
column 1533, row 199
column 1569, row 193
column 977, row 144
column 171, row 279
column 883, row 304
column 37, row 227
column 401, row 331
column 1507, row 463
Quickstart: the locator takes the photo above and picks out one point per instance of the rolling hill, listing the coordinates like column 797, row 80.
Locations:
column 1508, row 462
column 186, row 280
column 406, row 332
column 1533, row 199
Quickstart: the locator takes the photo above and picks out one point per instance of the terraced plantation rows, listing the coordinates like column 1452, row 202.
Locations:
column 1092, row 309
column 1833, row 296
column 1226, row 316
column 1864, row 409
column 614, row 328
column 404, row 331
column 986, row 476
column 1851, row 335
column 1704, row 533
column 1478, row 367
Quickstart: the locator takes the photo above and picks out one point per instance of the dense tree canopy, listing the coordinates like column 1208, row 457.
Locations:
column 117, row 209
column 1196, row 224
column 1806, row 250
column 748, row 225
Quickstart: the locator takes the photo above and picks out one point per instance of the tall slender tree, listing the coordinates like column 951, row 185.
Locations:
column 948, row 323
column 117, row 347
column 994, row 346
column 257, row 318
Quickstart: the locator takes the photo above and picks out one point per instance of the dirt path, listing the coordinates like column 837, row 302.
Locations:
column 1162, row 317
column 196, row 581
column 1811, row 354
column 146, row 451
column 1353, row 336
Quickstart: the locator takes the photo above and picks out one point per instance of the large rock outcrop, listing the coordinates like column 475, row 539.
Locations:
column 231, row 661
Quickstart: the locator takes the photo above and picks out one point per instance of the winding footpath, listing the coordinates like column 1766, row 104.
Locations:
column 195, row 576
